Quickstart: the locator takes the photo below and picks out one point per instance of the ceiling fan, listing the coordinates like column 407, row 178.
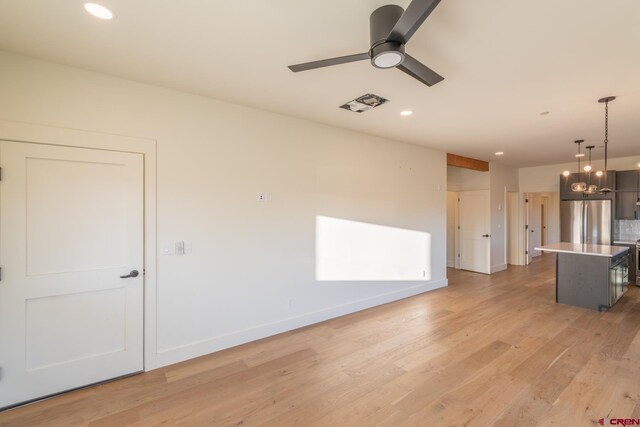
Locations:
column 390, row 29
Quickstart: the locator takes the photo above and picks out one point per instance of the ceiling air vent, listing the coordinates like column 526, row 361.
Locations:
column 364, row 103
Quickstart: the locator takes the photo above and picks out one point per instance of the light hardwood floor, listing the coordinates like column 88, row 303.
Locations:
column 487, row 350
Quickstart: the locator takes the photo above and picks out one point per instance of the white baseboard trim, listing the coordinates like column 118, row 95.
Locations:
column 499, row 267
column 221, row 342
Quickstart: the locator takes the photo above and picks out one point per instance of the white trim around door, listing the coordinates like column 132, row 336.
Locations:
column 49, row 135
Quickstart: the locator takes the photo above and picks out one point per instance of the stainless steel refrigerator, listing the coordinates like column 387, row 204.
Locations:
column 586, row 221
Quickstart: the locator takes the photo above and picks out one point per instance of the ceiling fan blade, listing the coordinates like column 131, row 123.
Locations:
column 411, row 19
column 328, row 62
column 419, row 71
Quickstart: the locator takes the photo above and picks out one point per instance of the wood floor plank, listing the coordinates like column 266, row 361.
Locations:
column 486, row 350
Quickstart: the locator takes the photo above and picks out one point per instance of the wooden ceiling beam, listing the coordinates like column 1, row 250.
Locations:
column 467, row 163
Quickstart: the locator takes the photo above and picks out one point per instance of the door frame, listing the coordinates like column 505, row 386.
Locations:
column 456, row 229
column 527, row 255
column 544, row 212
column 49, row 135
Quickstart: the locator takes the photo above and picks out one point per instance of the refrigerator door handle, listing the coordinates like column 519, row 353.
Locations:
column 585, row 212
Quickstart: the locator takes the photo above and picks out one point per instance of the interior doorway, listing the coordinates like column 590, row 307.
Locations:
column 544, row 202
column 453, row 228
column 513, row 228
column 542, row 222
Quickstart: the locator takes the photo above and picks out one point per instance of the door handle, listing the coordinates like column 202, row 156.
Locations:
column 486, row 235
column 133, row 273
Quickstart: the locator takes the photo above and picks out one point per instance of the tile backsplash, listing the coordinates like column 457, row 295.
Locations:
column 626, row 229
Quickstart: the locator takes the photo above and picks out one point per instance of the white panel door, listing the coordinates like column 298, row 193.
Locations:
column 71, row 223
column 475, row 226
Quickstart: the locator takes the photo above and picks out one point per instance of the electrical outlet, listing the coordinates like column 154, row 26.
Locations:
column 291, row 303
column 265, row 197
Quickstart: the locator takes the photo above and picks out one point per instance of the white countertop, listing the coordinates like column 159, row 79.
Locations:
column 579, row 248
column 625, row 242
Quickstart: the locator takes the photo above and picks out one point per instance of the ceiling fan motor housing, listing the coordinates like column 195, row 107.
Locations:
column 381, row 23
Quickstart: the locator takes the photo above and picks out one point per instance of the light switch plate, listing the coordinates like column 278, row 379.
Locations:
column 180, row 248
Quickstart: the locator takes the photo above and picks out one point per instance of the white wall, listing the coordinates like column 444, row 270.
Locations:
column 547, row 178
column 501, row 180
column 252, row 272
column 461, row 179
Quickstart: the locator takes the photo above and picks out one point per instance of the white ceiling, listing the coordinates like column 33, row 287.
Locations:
column 504, row 62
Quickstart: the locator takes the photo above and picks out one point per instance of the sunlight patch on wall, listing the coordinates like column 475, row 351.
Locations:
column 357, row 251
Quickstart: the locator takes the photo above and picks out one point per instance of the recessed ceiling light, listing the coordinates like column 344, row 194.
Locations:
column 499, row 153
column 544, row 113
column 98, row 11
column 406, row 113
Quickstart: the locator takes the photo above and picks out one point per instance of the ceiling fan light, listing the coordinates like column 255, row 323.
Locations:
column 387, row 55
column 388, row 59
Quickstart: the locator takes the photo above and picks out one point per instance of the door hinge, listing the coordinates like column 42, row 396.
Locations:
column 526, row 227
column 0, row 174
column 526, row 200
column 0, row 273
column 526, row 252
column 458, row 255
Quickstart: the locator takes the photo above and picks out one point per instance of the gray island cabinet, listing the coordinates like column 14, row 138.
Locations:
column 590, row 276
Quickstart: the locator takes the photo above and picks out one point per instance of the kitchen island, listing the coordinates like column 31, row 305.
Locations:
column 590, row 276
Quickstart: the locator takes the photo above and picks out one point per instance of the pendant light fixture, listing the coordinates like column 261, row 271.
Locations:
column 591, row 189
column 579, row 187
column 606, row 100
